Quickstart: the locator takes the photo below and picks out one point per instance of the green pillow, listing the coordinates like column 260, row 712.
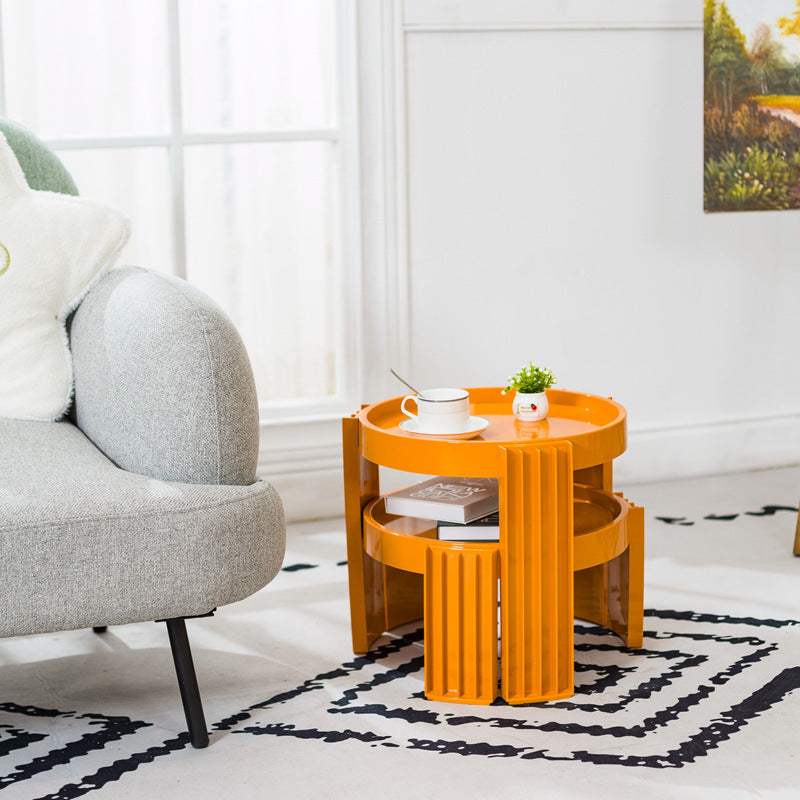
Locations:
column 41, row 167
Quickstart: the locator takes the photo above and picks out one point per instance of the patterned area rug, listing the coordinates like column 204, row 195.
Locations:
column 707, row 708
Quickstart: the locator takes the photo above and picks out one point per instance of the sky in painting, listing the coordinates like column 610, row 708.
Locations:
column 749, row 13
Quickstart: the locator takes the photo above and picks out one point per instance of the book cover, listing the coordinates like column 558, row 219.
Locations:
column 485, row 529
column 448, row 499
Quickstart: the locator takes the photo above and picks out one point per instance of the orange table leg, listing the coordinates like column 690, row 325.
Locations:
column 625, row 588
column 381, row 597
column 612, row 594
column 461, row 624
column 600, row 476
column 797, row 538
column 536, row 572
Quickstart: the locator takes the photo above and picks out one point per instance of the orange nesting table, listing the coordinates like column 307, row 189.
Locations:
column 569, row 547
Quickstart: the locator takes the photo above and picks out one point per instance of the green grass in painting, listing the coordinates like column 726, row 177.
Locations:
column 755, row 179
column 791, row 102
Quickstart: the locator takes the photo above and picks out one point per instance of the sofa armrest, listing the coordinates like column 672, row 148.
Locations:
column 163, row 384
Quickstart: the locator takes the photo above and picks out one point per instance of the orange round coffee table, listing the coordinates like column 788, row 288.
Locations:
column 568, row 545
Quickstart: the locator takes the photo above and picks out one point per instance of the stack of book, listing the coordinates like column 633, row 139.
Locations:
column 466, row 508
column 485, row 529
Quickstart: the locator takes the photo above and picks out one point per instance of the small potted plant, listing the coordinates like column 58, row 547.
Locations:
column 530, row 402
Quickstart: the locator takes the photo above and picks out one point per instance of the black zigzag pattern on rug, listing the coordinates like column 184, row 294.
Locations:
column 367, row 687
column 97, row 731
column 764, row 511
column 602, row 696
column 602, row 671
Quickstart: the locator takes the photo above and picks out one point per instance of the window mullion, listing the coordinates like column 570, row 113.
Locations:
column 2, row 68
column 176, row 143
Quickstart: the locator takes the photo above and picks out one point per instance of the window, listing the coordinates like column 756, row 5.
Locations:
column 217, row 126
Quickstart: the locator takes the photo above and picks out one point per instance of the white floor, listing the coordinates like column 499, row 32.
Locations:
column 287, row 702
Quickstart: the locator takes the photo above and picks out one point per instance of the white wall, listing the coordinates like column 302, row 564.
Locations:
column 532, row 189
column 553, row 174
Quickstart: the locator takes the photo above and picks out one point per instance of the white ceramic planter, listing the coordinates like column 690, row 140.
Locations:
column 530, row 407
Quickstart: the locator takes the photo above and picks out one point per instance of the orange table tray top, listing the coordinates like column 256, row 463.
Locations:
column 595, row 426
column 568, row 546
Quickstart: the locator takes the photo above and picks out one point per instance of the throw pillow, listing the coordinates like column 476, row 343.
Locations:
column 40, row 165
column 52, row 248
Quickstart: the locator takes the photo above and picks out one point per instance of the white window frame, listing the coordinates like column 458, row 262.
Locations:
column 298, row 436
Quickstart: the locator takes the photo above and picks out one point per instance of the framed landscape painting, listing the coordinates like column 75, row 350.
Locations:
column 751, row 59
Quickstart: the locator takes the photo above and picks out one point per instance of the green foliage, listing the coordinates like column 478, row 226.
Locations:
column 531, row 380
column 786, row 78
column 756, row 179
column 729, row 70
column 709, row 14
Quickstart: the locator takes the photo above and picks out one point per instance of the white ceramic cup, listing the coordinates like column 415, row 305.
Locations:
column 440, row 410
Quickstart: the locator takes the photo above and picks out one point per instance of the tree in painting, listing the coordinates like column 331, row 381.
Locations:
column 752, row 112
column 767, row 55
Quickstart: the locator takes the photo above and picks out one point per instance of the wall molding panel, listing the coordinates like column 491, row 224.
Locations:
column 532, row 27
column 715, row 449
column 473, row 15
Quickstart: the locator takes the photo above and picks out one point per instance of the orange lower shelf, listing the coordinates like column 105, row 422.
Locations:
column 600, row 521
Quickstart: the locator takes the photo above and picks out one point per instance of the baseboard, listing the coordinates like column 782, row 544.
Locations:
column 711, row 449
column 652, row 455
column 314, row 494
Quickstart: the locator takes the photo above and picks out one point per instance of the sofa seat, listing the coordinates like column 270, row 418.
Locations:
column 84, row 543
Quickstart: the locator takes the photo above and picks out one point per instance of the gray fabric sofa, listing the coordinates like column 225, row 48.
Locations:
column 144, row 504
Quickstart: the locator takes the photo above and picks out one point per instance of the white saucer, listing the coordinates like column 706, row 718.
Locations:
column 476, row 425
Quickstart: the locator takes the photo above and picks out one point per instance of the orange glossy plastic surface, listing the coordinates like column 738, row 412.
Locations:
column 595, row 426
column 600, row 530
column 797, row 538
column 568, row 546
column 460, row 624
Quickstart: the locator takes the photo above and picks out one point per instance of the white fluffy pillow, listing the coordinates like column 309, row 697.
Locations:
column 52, row 248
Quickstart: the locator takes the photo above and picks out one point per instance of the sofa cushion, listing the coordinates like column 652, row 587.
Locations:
column 52, row 246
column 85, row 543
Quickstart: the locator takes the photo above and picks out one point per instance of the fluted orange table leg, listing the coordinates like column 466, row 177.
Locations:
column 536, row 572
column 461, row 624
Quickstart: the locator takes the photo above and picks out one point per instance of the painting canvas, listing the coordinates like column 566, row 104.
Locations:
column 751, row 59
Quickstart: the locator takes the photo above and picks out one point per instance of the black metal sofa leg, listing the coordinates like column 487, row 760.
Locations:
column 187, row 680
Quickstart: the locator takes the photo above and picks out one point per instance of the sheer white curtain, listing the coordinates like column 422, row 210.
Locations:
column 213, row 124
